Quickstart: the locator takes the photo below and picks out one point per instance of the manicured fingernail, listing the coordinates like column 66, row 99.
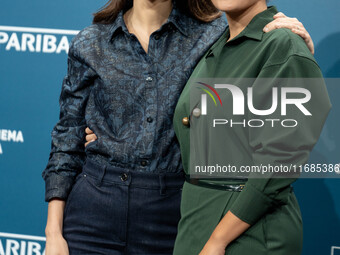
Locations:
column 265, row 29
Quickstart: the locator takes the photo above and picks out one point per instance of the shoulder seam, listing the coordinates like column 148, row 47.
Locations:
column 290, row 40
column 292, row 51
column 292, row 55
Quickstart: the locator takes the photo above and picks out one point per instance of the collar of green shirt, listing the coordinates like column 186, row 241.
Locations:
column 253, row 31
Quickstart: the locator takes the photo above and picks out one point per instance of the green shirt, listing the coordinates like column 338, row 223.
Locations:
column 256, row 55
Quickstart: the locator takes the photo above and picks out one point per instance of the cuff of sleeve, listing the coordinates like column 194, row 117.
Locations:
column 251, row 205
column 57, row 186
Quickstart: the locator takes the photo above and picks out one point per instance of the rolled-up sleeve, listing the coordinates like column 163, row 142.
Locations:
column 282, row 145
column 68, row 135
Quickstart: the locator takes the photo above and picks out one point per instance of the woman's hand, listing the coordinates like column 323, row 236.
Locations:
column 213, row 247
column 55, row 242
column 56, row 245
column 282, row 21
column 226, row 231
column 90, row 136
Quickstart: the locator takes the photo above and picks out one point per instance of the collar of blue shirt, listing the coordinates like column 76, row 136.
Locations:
column 180, row 21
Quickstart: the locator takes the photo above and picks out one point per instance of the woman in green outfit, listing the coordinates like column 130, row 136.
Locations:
column 247, row 216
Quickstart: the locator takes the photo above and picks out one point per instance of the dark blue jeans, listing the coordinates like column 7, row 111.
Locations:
column 112, row 210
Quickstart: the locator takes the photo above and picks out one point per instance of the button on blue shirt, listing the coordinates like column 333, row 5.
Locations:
column 126, row 96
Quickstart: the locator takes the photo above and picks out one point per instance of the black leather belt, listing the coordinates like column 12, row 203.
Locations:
column 211, row 185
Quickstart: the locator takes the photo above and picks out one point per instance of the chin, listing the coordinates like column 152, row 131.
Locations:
column 233, row 6
column 228, row 5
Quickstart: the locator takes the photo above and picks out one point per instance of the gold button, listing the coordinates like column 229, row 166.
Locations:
column 185, row 121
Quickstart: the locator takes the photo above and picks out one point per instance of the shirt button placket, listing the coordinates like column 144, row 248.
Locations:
column 149, row 119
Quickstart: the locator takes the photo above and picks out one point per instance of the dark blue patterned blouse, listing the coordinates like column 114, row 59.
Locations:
column 127, row 97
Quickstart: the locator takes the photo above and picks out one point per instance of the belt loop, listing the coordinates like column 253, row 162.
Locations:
column 162, row 189
column 101, row 176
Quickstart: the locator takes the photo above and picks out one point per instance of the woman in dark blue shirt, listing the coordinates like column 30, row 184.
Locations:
column 125, row 74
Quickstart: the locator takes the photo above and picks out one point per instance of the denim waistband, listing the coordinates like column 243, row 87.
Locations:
column 125, row 176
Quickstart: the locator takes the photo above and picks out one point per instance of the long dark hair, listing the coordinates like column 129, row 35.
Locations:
column 202, row 10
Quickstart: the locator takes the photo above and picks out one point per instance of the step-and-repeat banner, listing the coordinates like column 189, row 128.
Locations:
column 34, row 41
